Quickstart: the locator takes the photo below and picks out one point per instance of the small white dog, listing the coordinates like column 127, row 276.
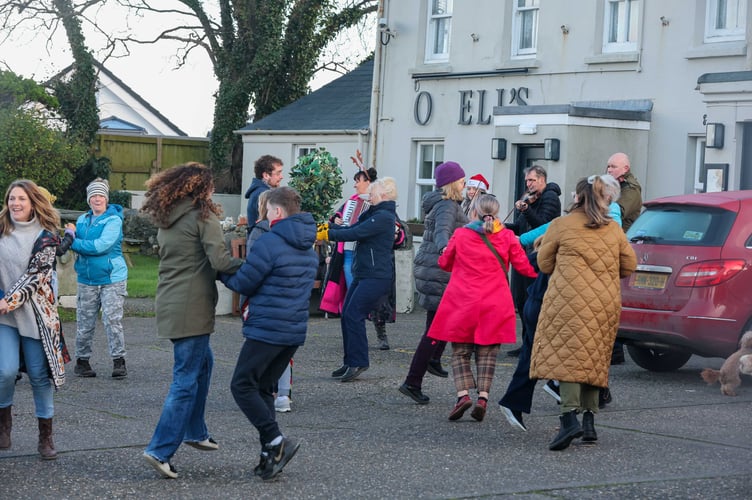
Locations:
column 745, row 364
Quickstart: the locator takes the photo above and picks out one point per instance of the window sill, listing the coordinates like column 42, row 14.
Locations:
column 522, row 62
column 613, row 58
column 430, row 68
column 720, row 49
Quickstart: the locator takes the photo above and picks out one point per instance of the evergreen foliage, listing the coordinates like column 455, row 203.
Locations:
column 319, row 181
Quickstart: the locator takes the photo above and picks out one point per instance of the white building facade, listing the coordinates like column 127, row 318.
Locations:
column 499, row 85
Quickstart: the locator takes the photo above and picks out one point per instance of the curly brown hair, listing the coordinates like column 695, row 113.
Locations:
column 41, row 207
column 189, row 180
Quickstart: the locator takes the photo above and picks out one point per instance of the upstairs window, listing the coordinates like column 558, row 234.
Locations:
column 525, row 28
column 621, row 25
column 439, row 30
column 725, row 21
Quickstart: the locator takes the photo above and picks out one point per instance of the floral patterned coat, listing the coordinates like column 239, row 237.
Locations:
column 36, row 286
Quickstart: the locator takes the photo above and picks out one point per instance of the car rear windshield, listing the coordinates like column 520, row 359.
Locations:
column 682, row 225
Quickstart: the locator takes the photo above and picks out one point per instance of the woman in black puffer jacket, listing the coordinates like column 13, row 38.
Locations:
column 444, row 214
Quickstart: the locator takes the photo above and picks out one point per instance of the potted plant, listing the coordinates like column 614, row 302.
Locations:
column 318, row 179
column 416, row 226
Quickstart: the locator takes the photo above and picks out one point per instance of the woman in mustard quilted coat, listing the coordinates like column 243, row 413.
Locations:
column 586, row 253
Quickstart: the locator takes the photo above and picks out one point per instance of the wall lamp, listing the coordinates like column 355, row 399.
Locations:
column 551, row 149
column 498, row 149
column 714, row 135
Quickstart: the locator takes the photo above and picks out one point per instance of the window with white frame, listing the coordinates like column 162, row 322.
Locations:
column 430, row 155
column 725, row 21
column 525, row 28
column 439, row 30
column 621, row 25
column 303, row 149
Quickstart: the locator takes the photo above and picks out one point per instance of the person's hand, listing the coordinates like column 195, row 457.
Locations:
column 338, row 221
column 521, row 206
column 4, row 308
column 71, row 226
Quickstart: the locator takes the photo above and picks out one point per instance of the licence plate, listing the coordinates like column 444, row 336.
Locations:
column 653, row 281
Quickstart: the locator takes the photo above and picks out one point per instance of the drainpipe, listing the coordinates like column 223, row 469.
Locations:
column 376, row 91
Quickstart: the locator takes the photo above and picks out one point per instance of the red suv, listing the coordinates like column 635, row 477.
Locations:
column 692, row 290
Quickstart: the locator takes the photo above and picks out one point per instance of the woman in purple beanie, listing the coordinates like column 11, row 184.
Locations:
column 443, row 214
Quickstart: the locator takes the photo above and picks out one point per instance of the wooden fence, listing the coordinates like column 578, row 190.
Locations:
column 137, row 157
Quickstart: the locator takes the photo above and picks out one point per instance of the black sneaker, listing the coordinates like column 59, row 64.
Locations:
column 279, row 455
column 261, row 467
column 415, row 393
column 604, row 397
column 514, row 417
column 434, row 368
column 340, row 371
column 83, row 369
column 553, row 390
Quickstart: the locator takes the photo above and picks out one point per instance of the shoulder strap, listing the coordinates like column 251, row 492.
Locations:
column 496, row 254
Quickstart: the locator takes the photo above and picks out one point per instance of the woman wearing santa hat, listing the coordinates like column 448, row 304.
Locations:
column 476, row 186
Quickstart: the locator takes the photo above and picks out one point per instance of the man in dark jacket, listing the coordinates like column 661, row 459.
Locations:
column 268, row 174
column 540, row 204
column 277, row 276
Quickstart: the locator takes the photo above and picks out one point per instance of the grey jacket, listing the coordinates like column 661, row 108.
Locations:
column 442, row 218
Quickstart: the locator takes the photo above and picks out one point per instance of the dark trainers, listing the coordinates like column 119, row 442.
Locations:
column 118, row 368
column 604, row 397
column 164, row 468
column 479, row 411
column 261, row 467
column 415, row 393
column 83, row 368
column 514, row 417
column 340, row 371
column 553, row 390
column 278, row 457
column 460, row 408
column 434, row 368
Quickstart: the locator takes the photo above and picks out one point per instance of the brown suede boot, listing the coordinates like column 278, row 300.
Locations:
column 6, row 423
column 46, row 446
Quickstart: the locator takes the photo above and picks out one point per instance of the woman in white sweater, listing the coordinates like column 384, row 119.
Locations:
column 29, row 322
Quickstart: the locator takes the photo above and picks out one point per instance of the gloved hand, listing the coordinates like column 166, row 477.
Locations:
column 322, row 231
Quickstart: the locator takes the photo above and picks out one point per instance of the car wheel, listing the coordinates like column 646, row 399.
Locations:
column 658, row 360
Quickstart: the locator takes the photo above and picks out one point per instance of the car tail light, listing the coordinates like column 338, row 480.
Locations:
column 709, row 273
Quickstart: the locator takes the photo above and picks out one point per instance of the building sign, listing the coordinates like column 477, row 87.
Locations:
column 473, row 105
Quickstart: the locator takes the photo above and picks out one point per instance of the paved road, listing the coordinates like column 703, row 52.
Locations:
column 664, row 436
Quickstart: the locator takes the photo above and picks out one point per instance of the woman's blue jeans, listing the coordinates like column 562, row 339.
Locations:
column 183, row 411
column 36, row 367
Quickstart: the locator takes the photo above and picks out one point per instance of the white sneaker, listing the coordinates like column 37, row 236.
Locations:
column 207, row 444
column 164, row 468
column 282, row 404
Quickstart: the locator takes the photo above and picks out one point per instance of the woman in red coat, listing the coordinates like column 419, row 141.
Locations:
column 476, row 313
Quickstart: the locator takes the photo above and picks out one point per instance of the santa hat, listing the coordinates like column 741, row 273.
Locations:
column 479, row 182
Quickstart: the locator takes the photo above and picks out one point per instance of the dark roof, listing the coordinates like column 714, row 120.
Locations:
column 343, row 104
column 130, row 91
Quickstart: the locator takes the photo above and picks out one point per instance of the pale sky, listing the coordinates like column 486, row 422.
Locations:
column 184, row 96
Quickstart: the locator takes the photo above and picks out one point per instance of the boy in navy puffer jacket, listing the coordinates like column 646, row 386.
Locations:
column 277, row 277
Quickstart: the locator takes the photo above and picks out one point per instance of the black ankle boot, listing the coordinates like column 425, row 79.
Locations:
column 588, row 427
column 569, row 430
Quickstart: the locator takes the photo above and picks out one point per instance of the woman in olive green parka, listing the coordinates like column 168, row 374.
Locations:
column 191, row 252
